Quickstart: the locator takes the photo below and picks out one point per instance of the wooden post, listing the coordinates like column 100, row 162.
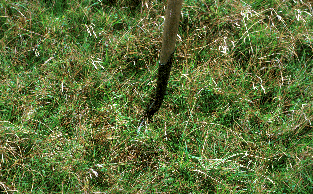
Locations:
column 166, row 57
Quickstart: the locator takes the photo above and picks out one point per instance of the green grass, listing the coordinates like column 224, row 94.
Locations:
column 76, row 77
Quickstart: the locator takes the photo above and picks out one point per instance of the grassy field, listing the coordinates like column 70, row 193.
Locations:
column 76, row 77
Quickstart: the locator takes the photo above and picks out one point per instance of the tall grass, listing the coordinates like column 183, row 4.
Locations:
column 76, row 77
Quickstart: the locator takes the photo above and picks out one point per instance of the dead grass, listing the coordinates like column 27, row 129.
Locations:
column 76, row 77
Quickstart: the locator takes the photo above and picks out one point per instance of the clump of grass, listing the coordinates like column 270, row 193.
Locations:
column 77, row 75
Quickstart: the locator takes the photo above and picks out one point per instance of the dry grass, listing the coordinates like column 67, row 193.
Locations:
column 76, row 77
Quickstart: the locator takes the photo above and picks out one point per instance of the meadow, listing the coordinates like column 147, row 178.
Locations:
column 77, row 75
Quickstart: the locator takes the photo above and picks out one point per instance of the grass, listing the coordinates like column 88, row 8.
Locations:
column 76, row 77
